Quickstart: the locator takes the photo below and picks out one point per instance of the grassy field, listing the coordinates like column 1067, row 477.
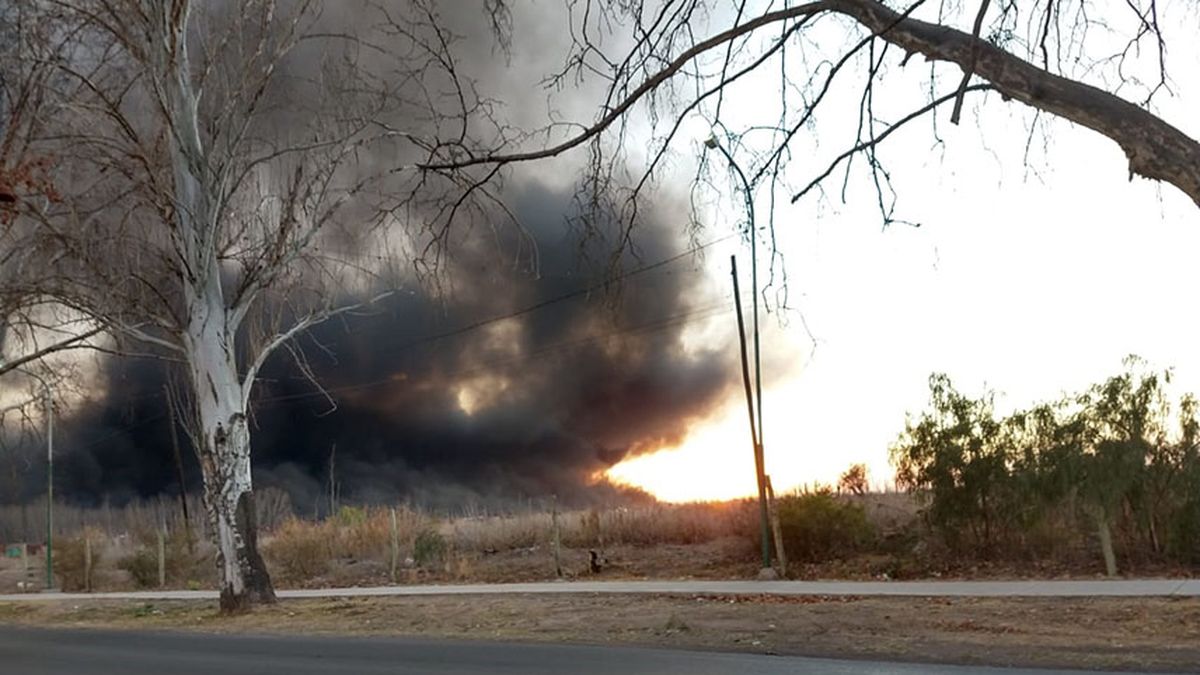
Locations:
column 872, row 536
column 362, row 546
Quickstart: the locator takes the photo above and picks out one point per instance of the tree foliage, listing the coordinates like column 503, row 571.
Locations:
column 854, row 480
column 1118, row 461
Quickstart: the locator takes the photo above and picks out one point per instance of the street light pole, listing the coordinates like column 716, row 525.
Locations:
column 49, row 412
column 759, row 462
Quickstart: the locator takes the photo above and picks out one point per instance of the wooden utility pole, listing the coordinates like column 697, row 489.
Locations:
column 754, row 437
column 49, row 490
column 183, row 505
column 162, row 557
column 332, row 480
column 776, row 530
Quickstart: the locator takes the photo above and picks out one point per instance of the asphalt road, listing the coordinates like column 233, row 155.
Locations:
column 980, row 589
column 58, row 652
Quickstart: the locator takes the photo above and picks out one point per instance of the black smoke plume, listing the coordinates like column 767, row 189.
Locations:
column 435, row 402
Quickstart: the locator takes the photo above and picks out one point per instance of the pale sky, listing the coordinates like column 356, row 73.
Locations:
column 1030, row 281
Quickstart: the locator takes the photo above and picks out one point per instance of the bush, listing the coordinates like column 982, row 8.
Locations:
column 429, row 548
column 350, row 516
column 142, row 565
column 817, row 526
column 300, row 550
column 70, row 559
column 360, row 534
column 179, row 563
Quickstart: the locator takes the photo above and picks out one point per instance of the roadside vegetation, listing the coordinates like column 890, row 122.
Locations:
column 1104, row 481
column 1110, row 473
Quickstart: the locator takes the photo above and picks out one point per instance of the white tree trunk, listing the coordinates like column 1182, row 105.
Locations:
column 224, row 450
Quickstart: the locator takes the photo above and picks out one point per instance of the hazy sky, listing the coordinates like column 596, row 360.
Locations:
column 1029, row 278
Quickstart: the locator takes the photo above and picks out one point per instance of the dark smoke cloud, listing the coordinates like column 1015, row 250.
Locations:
column 519, row 409
column 523, row 408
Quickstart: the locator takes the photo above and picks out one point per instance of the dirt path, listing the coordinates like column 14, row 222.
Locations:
column 1118, row 633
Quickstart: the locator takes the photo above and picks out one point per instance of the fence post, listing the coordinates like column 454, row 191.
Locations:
column 87, row 562
column 395, row 547
column 162, row 559
column 557, row 538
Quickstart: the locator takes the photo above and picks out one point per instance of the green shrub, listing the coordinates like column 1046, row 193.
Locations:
column 350, row 516
column 429, row 548
column 817, row 526
column 142, row 565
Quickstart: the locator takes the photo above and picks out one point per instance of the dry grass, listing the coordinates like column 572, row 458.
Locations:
column 702, row 541
column 297, row 550
column 601, row 528
column 355, row 547
column 301, row 551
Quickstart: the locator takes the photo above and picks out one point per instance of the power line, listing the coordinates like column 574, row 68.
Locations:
column 690, row 316
column 672, row 321
column 659, row 324
column 565, row 296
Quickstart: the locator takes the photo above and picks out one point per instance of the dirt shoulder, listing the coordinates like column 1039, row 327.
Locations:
column 1117, row 633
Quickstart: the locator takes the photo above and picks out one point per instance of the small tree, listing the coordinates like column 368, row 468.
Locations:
column 1126, row 418
column 956, row 457
column 1120, row 455
column 854, row 480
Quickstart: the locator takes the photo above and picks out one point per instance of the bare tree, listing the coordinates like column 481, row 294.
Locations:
column 662, row 63
column 218, row 167
column 31, row 326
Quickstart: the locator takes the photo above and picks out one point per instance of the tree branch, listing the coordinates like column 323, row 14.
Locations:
column 879, row 138
column 1154, row 148
column 61, row 345
column 281, row 338
column 652, row 83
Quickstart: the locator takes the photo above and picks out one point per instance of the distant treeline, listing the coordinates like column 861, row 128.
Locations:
column 1114, row 470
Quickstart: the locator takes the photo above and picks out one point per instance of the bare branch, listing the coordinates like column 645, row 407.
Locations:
column 302, row 324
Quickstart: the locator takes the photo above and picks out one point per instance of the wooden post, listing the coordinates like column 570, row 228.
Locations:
column 49, row 491
column 333, row 491
column 87, row 562
column 557, row 537
column 395, row 547
column 162, row 559
column 764, row 532
column 776, row 530
column 183, row 505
